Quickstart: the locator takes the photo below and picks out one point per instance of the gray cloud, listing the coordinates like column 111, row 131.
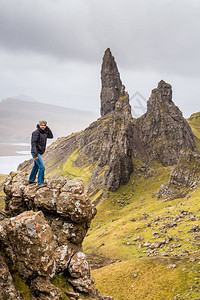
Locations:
column 144, row 34
column 52, row 49
column 57, row 28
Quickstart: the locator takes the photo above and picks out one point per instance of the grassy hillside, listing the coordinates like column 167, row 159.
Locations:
column 194, row 122
column 147, row 279
column 125, row 222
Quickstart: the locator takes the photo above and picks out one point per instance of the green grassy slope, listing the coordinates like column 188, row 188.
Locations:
column 194, row 122
column 148, row 279
column 67, row 168
column 129, row 218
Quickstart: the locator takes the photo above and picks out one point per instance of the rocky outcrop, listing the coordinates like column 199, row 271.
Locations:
column 163, row 129
column 111, row 83
column 185, row 176
column 43, row 232
column 62, row 196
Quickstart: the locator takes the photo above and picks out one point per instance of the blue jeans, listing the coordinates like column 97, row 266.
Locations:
column 38, row 167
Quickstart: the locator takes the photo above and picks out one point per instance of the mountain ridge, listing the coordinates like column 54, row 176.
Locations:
column 19, row 118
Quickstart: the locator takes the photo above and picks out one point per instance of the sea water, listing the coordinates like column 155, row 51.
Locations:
column 11, row 155
column 10, row 163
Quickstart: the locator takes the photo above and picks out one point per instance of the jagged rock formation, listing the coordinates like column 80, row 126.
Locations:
column 163, row 130
column 110, row 144
column 184, row 177
column 43, row 233
column 111, row 83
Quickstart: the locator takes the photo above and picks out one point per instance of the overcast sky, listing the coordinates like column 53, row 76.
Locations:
column 51, row 50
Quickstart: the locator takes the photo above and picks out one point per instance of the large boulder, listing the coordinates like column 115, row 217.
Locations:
column 31, row 244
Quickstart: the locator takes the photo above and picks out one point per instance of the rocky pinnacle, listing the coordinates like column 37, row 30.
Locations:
column 165, row 89
column 111, row 83
column 164, row 131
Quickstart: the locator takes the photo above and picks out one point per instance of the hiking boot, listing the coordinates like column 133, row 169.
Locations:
column 41, row 185
column 32, row 182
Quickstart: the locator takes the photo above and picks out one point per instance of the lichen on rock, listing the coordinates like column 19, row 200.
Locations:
column 47, row 239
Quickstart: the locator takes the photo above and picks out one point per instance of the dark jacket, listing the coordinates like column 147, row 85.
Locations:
column 39, row 140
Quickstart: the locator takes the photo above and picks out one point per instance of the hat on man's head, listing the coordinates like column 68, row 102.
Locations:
column 42, row 122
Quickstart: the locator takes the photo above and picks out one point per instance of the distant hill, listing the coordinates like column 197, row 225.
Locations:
column 18, row 118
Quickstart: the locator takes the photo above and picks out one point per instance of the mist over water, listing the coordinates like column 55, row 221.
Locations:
column 11, row 155
column 10, row 163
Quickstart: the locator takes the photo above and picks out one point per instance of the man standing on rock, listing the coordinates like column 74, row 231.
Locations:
column 38, row 147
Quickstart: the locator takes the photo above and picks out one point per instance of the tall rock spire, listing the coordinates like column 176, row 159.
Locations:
column 111, row 83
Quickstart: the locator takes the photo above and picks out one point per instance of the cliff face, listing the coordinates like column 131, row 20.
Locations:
column 109, row 145
column 42, row 233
